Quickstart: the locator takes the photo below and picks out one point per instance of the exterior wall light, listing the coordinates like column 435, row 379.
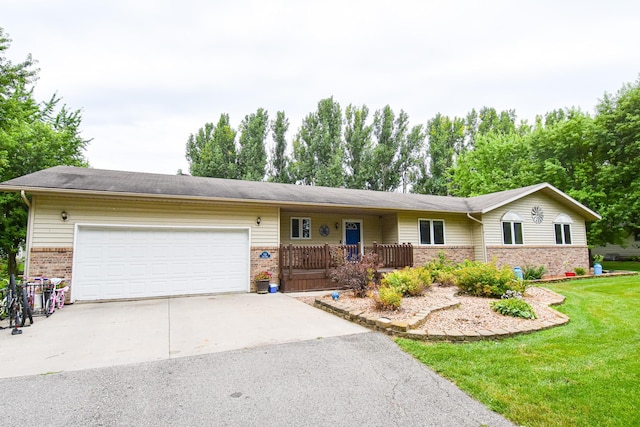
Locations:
column 64, row 215
column 337, row 225
column 258, row 220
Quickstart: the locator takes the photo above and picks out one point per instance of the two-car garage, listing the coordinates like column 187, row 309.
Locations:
column 122, row 262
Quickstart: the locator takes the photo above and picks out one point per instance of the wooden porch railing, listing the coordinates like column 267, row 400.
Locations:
column 324, row 257
column 395, row 255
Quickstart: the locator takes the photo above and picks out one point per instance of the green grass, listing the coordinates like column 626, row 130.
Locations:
column 586, row 373
column 621, row 265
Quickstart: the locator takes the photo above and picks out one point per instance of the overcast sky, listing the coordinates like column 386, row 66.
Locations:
column 147, row 74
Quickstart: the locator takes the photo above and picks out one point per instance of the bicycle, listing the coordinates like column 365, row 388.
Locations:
column 53, row 294
column 17, row 307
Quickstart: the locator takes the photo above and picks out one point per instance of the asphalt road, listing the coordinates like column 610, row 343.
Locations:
column 355, row 380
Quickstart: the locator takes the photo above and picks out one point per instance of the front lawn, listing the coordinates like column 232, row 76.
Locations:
column 585, row 373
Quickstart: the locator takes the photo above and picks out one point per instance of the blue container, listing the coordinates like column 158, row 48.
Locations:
column 273, row 288
column 518, row 272
column 597, row 269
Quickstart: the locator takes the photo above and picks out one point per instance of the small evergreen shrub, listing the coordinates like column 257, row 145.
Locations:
column 533, row 273
column 487, row 280
column 387, row 298
column 514, row 307
column 580, row 271
column 408, row 281
column 357, row 276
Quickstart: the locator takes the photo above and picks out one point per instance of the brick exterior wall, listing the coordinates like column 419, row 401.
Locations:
column 263, row 264
column 51, row 262
column 552, row 257
column 424, row 254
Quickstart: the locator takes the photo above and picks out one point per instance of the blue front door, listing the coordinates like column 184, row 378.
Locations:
column 352, row 237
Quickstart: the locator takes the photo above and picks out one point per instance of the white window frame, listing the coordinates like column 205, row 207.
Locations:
column 565, row 222
column 301, row 229
column 431, row 231
column 512, row 218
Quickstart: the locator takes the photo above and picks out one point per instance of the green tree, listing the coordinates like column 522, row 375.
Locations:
column 279, row 160
column 33, row 136
column 318, row 148
column 446, row 142
column 498, row 162
column 252, row 156
column 617, row 145
column 409, row 156
column 357, row 145
column 212, row 152
column 389, row 135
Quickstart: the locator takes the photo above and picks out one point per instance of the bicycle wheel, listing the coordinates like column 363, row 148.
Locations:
column 60, row 299
column 48, row 307
column 17, row 315
column 26, row 309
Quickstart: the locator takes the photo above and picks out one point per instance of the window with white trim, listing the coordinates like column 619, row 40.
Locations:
column 431, row 231
column 562, row 228
column 512, row 229
column 300, row 228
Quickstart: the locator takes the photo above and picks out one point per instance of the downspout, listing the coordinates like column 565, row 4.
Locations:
column 27, row 245
column 24, row 197
column 484, row 247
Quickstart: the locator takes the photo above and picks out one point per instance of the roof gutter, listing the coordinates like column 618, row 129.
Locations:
column 484, row 247
column 25, row 199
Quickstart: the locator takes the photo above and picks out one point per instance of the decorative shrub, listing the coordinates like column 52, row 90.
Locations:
column 357, row 276
column 447, row 278
column 387, row 298
column 408, row 281
column 597, row 259
column 580, row 271
column 440, row 264
column 533, row 273
column 513, row 307
column 487, row 280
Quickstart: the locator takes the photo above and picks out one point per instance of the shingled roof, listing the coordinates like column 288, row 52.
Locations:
column 68, row 179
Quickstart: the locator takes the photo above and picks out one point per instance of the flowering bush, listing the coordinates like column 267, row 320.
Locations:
column 263, row 275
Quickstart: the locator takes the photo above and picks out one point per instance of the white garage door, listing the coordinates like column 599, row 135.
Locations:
column 135, row 262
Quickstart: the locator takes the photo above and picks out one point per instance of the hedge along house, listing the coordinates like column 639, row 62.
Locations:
column 123, row 235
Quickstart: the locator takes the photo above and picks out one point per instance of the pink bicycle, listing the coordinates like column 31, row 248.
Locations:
column 54, row 295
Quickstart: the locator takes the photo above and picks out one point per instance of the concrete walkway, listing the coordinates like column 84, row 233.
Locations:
column 83, row 336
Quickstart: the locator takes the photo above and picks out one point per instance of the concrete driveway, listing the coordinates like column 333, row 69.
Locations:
column 94, row 335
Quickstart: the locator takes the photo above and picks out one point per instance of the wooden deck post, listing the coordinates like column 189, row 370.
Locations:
column 326, row 259
column 290, row 263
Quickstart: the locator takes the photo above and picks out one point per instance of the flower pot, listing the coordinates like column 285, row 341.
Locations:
column 262, row 286
column 569, row 274
column 597, row 269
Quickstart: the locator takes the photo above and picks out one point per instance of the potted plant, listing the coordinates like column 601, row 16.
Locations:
column 262, row 280
column 597, row 264
column 568, row 270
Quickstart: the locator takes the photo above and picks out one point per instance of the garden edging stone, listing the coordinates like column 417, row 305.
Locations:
column 409, row 329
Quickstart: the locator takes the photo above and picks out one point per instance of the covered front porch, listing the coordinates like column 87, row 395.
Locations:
column 307, row 267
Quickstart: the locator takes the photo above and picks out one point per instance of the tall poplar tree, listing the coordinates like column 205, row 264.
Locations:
column 318, row 148
column 279, row 170
column 252, row 156
column 212, row 152
column 357, row 146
